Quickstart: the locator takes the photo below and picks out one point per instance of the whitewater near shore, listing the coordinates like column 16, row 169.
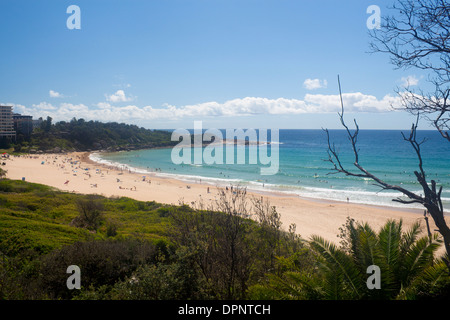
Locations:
column 75, row 172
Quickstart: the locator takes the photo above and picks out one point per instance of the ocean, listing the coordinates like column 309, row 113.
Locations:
column 303, row 170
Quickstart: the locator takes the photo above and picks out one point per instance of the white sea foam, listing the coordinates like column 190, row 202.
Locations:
column 355, row 195
column 182, row 177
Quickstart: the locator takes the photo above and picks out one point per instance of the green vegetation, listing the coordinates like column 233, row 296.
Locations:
column 407, row 264
column 81, row 135
column 236, row 249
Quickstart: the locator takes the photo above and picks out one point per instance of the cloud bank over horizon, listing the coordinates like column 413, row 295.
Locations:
column 112, row 111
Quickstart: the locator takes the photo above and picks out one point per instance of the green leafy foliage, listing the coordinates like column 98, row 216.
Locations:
column 406, row 260
column 81, row 135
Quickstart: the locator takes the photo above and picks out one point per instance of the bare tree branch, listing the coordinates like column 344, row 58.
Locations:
column 431, row 199
column 418, row 36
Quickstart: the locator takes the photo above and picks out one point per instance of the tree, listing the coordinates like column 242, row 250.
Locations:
column 270, row 229
column 418, row 37
column 220, row 237
column 431, row 198
column 91, row 212
column 231, row 250
column 3, row 173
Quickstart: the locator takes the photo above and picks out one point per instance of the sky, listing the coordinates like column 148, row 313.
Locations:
column 164, row 64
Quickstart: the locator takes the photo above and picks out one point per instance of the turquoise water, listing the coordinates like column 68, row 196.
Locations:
column 303, row 170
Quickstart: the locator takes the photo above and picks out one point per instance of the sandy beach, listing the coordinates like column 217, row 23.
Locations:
column 75, row 172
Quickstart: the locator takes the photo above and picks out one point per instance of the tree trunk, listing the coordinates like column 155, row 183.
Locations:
column 438, row 216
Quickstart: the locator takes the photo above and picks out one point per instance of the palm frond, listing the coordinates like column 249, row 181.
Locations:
column 342, row 275
column 428, row 281
column 409, row 237
column 366, row 250
column 296, row 285
column 419, row 257
column 434, row 274
column 389, row 237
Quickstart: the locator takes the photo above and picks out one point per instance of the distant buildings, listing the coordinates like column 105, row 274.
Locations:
column 7, row 123
column 37, row 123
column 12, row 124
column 23, row 124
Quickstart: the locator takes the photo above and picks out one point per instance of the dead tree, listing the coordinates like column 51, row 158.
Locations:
column 431, row 198
column 418, row 36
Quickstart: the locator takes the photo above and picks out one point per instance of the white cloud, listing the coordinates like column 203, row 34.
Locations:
column 249, row 106
column 353, row 102
column 103, row 105
column 54, row 94
column 44, row 106
column 312, row 84
column 409, row 81
column 118, row 96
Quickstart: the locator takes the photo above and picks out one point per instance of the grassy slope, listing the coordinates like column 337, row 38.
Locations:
column 34, row 216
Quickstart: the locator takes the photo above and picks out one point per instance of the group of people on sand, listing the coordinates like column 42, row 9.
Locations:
column 132, row 189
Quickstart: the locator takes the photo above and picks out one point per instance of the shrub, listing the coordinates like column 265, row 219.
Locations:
column 103, row 262
column 90, row 210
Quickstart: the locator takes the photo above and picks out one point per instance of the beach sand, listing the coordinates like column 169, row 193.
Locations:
column 310, row 216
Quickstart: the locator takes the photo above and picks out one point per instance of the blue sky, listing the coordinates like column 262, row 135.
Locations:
column 229, row 63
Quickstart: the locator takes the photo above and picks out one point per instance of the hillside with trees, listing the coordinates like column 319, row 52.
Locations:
column 81, row 135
